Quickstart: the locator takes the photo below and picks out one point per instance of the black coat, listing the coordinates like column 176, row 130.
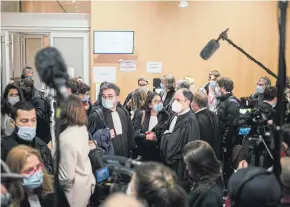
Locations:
column 227, row 111
column 206, row 197
column 171, row 145
column 43, row 113
column 168, row 98
column 147, row 149
column 209, row 130
column 13, row 140
column 267, row 110
column 123, row 143
column 45, row 201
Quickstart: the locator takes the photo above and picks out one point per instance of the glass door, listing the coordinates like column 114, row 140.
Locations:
column 74, row 47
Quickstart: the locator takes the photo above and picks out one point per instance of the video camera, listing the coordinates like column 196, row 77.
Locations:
column 251, row 122
column 113, row 176
column 255, row 135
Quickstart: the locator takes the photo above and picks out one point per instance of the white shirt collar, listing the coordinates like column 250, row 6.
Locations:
column 184, row 112
column 201, row 110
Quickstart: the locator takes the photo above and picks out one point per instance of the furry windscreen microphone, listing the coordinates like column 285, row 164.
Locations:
column 52, row 69
column 209, row 49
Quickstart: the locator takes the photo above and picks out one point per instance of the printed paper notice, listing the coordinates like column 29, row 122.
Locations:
column 104, row 73
column 128, row 65
column 154, row 67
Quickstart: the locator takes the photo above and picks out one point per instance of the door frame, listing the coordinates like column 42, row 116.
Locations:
column 5, row 39
column 55, row 24
column 86, row 49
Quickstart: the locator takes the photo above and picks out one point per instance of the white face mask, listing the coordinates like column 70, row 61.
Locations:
column 176, row 107
column 144, row 89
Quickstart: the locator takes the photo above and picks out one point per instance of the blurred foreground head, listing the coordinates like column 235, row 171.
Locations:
column 122, row 200
column 253, row 187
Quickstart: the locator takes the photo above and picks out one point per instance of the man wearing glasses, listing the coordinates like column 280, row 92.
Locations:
column 116, row 119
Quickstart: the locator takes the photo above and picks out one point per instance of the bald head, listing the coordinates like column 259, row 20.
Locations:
column 200, row 101
column 122, row 200
column 285, row 174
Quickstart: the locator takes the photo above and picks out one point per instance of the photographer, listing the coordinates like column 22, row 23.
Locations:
column 267, row 107
column 262, row 84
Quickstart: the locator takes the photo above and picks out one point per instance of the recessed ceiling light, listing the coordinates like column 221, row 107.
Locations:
column 73, row 1
column 183, row 4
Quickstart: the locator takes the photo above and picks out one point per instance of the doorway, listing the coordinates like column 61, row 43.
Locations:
column 20, row 48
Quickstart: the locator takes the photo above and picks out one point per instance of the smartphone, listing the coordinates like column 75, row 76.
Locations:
column 102, row 174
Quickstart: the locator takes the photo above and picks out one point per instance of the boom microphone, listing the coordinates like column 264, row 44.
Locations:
column 213, row 45
column 209, row 49
column 52, row 69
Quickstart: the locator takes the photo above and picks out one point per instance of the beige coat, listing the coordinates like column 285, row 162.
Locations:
column 75, row 170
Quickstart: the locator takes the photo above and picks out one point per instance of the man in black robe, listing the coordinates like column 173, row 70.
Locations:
column 208, row 122
column 117, row 119
column 182, row 128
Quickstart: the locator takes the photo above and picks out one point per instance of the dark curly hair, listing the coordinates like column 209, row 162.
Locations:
column 6, row 107
column 226, row 83
column 83, row 88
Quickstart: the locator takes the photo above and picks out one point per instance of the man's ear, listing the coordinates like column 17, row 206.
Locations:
column 118, row 98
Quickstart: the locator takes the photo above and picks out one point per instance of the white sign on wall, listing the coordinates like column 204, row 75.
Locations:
column 154, row 67
column 128, row 65
column 104, row 73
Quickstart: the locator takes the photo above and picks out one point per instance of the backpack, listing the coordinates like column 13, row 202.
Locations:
column 102, row 136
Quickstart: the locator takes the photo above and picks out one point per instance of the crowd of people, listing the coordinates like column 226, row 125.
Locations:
column 188, row 143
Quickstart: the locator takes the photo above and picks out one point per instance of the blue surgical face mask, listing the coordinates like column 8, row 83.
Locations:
column 212, row 84
column 26, row 133
column 13, row 100
column 33, row 181
column 259, row 89
column 107, row 103
column 158, row 107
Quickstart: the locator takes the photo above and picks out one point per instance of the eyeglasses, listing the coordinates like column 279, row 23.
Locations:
column 142, row 85
column 32, row 171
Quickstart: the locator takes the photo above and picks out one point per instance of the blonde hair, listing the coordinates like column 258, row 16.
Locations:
column 15, row 161
column 138, row 99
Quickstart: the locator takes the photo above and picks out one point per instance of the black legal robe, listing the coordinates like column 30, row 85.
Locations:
column 209, row 130
column 171, row 145
column 146, row 148
column 122, row 143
